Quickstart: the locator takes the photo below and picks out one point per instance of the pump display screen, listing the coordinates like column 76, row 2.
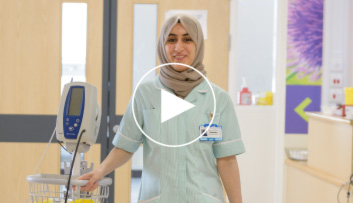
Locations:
column 75, row 101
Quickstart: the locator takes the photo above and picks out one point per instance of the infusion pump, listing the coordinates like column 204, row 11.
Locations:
column 78, row 113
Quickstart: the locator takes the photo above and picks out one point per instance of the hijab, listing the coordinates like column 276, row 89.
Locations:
column 182, row 83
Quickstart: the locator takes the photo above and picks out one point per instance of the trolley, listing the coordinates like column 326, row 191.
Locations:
column 49, row 188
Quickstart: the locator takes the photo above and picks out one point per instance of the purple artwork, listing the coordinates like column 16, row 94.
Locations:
column 297, row 94
column 304, row 47
column 304, row 61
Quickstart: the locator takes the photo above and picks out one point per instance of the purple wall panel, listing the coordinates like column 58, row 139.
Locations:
column 295, row 95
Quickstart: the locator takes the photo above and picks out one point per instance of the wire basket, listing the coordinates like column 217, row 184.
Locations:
column 48, row 188
column 298, row 154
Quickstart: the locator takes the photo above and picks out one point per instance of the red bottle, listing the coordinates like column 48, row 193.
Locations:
column 244, row 96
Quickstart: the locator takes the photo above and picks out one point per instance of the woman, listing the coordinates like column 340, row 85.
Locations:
column 179, row 174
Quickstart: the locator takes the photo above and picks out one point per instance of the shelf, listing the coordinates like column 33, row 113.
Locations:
column 334, row 118
column 254, row 108
column 303, row 166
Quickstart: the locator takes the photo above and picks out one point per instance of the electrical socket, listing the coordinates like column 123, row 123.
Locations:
column 336, row 64
column 336, row 96
column 336, row 80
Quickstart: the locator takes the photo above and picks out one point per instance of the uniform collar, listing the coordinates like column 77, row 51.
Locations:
column 192, row 96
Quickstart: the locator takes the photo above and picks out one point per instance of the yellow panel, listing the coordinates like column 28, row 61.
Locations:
column 216, row 52
column 75, row 1
column 307, row 187
column 124, row 55
column 94, row 63
column 330, row 145
column 94, row 155
column 19, row 160
column 30, row 56
column 122, row 189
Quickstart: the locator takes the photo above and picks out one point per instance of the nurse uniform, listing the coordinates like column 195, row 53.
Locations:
column 180, row 174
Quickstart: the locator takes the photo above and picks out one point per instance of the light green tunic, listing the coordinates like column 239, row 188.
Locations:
column 184, row 174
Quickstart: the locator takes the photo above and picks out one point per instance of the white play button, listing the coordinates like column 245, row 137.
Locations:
column 173, row 106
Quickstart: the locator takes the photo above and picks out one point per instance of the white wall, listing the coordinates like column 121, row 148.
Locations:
column 255, row 42
column 336, row 46
column 262, row 127
column 350, row 53
column 257, row 165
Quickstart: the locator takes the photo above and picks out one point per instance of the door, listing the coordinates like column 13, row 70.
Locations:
column 30, row 87
column 216, row 58
column 31, row 70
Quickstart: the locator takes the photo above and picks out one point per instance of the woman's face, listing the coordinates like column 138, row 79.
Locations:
column 180, row 48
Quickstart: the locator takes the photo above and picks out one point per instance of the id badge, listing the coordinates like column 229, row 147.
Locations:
column 214, row 133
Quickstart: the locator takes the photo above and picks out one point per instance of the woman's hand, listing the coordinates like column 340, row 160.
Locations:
column 93, row 177
column 116, row 158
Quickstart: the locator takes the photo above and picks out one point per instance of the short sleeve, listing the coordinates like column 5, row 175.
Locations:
column 232, row 143
column 129, row 137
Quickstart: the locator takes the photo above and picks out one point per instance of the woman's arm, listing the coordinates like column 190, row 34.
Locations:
column 116, row 158
column 229, row 172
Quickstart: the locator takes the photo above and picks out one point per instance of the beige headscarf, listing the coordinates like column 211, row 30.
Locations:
column 182, row 82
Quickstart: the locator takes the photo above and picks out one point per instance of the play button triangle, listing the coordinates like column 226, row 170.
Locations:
column 172, row 106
